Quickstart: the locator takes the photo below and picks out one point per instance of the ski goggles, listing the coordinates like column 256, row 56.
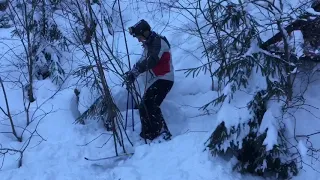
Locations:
column 131, row 31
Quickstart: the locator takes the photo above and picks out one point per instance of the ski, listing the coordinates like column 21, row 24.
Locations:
column 110, row 157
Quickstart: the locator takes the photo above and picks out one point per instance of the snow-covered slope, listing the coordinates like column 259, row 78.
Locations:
column 60, row 155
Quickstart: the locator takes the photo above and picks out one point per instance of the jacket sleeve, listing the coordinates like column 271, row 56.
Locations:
column 152, row 57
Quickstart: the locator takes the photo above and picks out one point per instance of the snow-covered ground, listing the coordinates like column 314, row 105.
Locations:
column 64, row 145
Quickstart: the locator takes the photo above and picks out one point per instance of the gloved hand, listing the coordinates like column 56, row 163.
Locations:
column 130, row 76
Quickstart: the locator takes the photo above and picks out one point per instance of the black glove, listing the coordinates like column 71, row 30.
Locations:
column 130, row 76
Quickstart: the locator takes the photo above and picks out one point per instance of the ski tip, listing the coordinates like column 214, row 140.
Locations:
column 111, row 157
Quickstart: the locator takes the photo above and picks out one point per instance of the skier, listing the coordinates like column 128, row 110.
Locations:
column 156, row 63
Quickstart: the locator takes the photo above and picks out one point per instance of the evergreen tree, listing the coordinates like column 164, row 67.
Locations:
column 4, row 19
column 34, row 24
column 236, row 48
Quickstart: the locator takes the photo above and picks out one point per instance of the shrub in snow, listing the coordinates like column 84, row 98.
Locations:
column 86, row 22
column 43, row 39
column 92, row 104
column 258, row 142
column 4, row 21
column 259, row 150
column 3, row 5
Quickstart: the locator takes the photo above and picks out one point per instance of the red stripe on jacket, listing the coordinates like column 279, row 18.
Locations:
column 163, row 66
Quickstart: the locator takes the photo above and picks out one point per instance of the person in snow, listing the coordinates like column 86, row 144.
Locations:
column 156, row 62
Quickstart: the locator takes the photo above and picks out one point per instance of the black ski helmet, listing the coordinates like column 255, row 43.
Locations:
column 139, row 28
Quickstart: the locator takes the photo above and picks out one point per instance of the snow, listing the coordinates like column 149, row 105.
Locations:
column 181, row 158
column 312, row 11
column 269, row 123
column 302, row 149
column 60, row 155
column 297, row 42
column 175, row 159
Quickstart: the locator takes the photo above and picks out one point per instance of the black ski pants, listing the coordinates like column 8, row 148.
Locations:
column 152, row 120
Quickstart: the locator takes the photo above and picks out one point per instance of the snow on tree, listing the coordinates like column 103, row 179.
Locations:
column 258, row 140
column 43, row 42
